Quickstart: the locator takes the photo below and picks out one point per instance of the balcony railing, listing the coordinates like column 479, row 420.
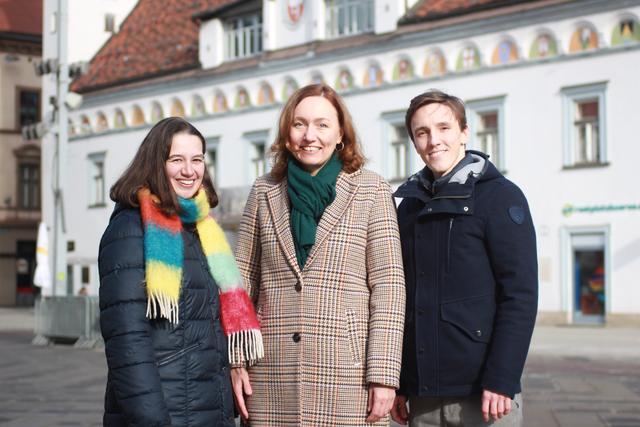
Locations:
column 19, row 215
column 349, row 17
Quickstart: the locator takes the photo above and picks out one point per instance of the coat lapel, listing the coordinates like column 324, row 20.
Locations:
column 346, row 188
column 278, row 201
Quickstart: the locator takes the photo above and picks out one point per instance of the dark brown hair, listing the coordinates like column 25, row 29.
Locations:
column 147, row 169
column 434, row 96
column 351, row 155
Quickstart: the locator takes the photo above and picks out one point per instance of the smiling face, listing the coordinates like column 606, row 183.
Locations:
column 315, row 131
column 185, row 165
column 438, row 138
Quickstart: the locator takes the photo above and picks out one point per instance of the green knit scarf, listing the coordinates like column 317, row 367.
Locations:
column 309, row 196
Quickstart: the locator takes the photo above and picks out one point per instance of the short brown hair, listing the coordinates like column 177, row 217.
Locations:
column 147, row 169
column 351, row 155
column 435, row 96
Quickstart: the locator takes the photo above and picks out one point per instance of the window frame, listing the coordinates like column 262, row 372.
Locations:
column 96, row 199
column 255, row 139
column 212, row 145
column 18, row 94
column 390, row 121
column 257, row 37
column 570, row 98
column 476, row 108
column 332, row 10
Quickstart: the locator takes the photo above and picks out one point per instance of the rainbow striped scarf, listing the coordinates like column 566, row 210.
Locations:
column 164, row 257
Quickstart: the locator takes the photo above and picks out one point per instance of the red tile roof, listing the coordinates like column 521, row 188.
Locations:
column 157, row 38
column 21, row 16
column 434, row 9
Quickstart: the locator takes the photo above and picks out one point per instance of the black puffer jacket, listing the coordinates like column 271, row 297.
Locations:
column 159, row 374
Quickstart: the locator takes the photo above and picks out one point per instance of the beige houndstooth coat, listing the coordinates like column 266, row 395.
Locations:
column 335, row 326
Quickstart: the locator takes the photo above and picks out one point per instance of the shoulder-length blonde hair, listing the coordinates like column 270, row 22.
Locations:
column 351, row 155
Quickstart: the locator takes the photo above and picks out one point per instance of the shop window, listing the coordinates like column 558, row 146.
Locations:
column 589, row 277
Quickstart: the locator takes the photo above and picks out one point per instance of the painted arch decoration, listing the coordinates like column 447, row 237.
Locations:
column 504, row 53
column 403, row 70
column 102, row 124
column 177, row 109
column 137, row 116
column 265, row 94
column 584, row 38
column 85, row 125
column 220, row 104
column 468, row 58
column 373, row 76
column 627, row 31
column 435, row 64
column 119, row 121
column 157, row 113
column 290, row 86
column 317, row 78
column 197, row 106
column 242, row 98
column 344, row 80
column 544, row 46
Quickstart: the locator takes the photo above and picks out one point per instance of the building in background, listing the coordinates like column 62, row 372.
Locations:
column 20, row 105
column 549, row 87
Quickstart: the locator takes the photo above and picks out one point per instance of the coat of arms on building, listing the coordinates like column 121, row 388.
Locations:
column 295, row 9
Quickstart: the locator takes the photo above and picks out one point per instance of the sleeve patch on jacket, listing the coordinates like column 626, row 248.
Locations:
column 517, row 214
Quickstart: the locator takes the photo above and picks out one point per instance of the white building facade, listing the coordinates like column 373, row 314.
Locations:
column 550, row 89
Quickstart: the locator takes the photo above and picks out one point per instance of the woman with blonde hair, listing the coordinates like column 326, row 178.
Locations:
column 319, row 250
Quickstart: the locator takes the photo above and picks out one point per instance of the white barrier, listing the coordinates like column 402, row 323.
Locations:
column 68, row 318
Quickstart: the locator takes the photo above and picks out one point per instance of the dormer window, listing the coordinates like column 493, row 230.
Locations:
column 243, row 36
column 348, row 17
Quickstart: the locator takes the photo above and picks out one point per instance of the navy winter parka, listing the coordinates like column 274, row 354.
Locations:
column 160, row 374
column 470, row 263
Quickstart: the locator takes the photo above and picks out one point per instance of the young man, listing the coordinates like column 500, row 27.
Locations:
column 469, row 252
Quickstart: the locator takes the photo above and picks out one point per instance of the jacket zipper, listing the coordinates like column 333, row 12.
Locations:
column 449, row 244
column 178, row 354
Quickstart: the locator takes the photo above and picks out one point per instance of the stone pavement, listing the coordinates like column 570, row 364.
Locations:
column 574, row 376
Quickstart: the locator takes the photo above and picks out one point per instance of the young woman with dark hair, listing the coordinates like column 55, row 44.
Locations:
column 170, row 291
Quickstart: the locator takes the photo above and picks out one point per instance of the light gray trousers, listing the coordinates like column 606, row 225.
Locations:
column 458, row 412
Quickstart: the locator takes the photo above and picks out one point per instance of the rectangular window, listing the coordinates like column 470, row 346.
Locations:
column 212, row 158
column 257, row 150
column 243, row 36
column 348, row 17
column 109, row 23
column 486, row 129
column 85, row 273
column 29, row 186
column 29, row 106
column 398, row 152
column 584, row 126
column 96, row 180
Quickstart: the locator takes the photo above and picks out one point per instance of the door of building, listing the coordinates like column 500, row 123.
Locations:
column 25, row 267
column 589, row 278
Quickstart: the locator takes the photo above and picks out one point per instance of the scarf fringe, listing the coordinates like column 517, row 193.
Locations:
column 245, row 347
column 159, row 305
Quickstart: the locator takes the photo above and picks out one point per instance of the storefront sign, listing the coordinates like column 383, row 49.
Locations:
column 569, row 209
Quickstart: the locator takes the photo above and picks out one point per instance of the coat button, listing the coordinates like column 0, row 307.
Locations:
column 479, row 333
column 421, row 351
column 425, row 388
column 466, row 209
column 422, row 274
column 296, row 337
column 298, row 287
column 420, row 312
column 429, row 209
